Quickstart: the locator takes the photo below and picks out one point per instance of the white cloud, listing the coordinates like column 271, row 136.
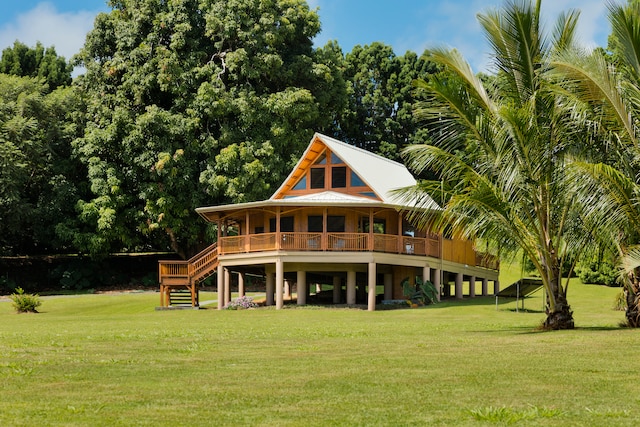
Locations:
column 65, row 31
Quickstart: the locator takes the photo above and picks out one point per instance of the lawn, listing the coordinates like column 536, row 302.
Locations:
column 113, row 360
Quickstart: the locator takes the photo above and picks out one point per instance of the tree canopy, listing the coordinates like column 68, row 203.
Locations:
column 195, row 103
column 38, row 62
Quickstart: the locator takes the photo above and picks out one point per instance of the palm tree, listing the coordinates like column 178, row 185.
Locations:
column 609, row 95
column 501, row 151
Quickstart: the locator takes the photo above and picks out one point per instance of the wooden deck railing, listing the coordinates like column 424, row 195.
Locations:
column 190, row 270
column 451, row 250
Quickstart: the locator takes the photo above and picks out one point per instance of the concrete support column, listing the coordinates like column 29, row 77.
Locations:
column 496, row 287
column 371, row 279
column 241, row 291
column 318, row 288
column 287, row 289
column 472, row 286
column 270, row 288
column 458, row 290
column 279, row 284
column 301, row 287
column 227, row 286
column 220, row 280
column 485, row 287
column 388, row 286
column 426, row 274
column 337, row 289
column 437, row 281
column 351, row 287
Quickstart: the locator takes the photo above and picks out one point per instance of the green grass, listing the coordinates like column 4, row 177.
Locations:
column 109, row 360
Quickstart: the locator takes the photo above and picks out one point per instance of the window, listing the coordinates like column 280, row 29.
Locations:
column 356, row 181
column 317, row 178
column 322, row 159
column 335, row 160
column 286, row 224
column 379, row 225
column 335, row 224
column 314, row 223
column 339, row 177
column 302, row 184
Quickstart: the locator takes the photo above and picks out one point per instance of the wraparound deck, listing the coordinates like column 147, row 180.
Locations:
column 450, row 250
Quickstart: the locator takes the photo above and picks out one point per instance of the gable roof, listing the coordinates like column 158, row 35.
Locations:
column 380, row 174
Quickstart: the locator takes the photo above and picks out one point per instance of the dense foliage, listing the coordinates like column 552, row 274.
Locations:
column 39, row 62
column 39, row 180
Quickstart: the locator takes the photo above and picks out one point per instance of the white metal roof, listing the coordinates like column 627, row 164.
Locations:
column 380, row 174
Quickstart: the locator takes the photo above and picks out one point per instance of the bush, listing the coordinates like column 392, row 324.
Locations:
column 420, row 294
column 25, row 303
column 602, row 273
column 241, row 303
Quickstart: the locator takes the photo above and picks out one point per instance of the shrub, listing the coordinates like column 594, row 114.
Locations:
column 25, row 303
column 598, row 273
column 241, row 303
column 422, row 294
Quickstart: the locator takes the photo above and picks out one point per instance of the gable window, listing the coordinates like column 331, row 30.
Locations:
column 302, row 184
column 356, row 181
column 339, row 177
column 317, row 178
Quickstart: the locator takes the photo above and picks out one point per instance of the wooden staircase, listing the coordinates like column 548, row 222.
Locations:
column 179, row 279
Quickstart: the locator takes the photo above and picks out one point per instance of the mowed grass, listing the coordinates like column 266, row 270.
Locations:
column 108, row 360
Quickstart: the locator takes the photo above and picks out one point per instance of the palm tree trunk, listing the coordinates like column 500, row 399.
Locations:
column 632, row 294
column 559, row 314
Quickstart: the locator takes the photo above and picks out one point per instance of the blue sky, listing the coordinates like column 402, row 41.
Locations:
column 404, row 24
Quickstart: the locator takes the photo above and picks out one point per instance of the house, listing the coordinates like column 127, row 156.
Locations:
column 334, row 220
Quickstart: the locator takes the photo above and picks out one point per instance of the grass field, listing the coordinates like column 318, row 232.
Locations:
column 106, row 360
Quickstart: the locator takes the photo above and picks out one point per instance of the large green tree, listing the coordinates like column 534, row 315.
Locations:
column 378, row 115
column 39, row 62
column 40, row 182
column 502, row 152
column 191, row 103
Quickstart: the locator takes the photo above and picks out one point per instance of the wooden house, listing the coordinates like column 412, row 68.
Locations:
column 334, row 220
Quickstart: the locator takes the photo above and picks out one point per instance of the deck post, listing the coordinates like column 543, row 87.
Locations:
column 496, row 287
column 241, row 291
column 485, row 287
column 371, row 278
column 337, row 288
column 270, row 288
column 351, row 287
column 227, row 286
column 437, row 281
column 287, row 289
column 458, row 289
column 220, row 279
column 472, row 286
column 279, row 284
column 388, row 286
column 301, row 287
column 426, row 274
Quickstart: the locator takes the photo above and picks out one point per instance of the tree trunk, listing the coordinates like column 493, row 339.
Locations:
column 560, row 316
column 632, row 294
